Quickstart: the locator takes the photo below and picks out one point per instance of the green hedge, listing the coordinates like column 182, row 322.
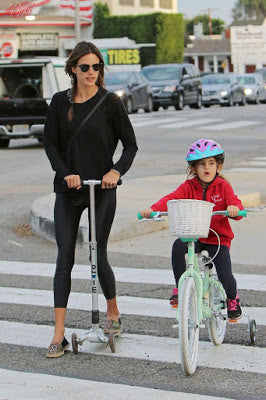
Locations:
column 165, row 30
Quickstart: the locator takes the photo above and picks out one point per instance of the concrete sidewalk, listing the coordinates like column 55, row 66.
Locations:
column 136, row 194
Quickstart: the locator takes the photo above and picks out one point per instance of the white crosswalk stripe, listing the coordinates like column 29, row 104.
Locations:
column 133, row 275
column 134, row 346
column 127, row 304
column 175, row 121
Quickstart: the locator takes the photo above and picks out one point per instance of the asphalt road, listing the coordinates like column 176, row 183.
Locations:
column 26, row 175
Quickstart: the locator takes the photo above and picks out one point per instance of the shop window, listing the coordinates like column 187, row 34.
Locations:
column 126, row 2
column 147, row 3
column 166, row 4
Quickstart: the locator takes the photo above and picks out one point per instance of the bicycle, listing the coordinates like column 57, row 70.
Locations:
column 202, row 298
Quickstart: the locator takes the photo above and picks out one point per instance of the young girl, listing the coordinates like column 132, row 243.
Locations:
column 205, row 159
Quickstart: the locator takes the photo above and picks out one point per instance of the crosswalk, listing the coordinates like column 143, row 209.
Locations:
column 202, row 121
column 27, row 287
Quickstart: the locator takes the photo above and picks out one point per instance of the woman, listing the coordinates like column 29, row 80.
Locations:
column 84, row 151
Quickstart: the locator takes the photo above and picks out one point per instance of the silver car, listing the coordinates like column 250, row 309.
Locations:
column 254, row 87
column 223, row 89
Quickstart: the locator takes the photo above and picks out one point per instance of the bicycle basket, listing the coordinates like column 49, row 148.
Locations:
column 189, row 218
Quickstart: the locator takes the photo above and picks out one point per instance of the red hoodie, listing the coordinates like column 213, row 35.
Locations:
column 220, row 193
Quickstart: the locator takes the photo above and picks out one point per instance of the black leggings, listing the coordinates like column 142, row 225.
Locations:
column 222, row 264
column 67, row 213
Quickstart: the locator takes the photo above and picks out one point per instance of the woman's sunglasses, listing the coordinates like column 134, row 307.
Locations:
column 86, row 67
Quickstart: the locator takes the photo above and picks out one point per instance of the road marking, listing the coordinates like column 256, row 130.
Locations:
column 25, row 386
column 15, row 243
column 127, row 304
column 145, row 347
column 231, row 125
column 130, row 275
column 154, row 122
column 189, row 123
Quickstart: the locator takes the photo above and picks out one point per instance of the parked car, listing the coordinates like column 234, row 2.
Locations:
column 254, row 87
column 132, row 88
column 262, row 71
column 26, row 88
column 223, row 89
column 174, row 85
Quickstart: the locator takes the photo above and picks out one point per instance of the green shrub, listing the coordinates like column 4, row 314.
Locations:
column 165, row 30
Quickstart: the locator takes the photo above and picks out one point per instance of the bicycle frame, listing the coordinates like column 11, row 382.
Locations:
column 202, row 284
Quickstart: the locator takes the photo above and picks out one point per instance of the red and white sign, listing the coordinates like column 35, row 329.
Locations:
column 85, row 8
column 6, row 49
column 21, row 9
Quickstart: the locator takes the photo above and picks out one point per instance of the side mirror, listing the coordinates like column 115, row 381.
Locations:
column 186, row 76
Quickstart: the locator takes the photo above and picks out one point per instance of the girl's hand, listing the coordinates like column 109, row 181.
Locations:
column 109, row 180
column 146, row 213
column 73, row 181
column 233, row 211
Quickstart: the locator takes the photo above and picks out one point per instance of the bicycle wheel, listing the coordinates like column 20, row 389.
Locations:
column 217, row 324
column 188, row 326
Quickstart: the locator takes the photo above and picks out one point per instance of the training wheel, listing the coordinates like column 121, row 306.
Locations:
column 111, row 342
column 74, row 343
column 252, row 331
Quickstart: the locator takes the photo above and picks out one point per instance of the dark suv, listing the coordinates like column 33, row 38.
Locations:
column 174, row 85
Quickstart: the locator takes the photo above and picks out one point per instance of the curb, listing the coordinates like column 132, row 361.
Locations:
column 125, row 225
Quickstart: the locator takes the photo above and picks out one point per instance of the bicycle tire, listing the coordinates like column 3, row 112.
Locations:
column 188, row 326
column 217, row 324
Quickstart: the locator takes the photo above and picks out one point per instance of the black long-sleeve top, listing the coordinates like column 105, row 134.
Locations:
column 90, row 152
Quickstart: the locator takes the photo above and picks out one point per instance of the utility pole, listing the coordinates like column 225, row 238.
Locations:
column 210, row 21
column 77, row 23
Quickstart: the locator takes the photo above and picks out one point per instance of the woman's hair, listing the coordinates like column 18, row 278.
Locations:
column 80, row 50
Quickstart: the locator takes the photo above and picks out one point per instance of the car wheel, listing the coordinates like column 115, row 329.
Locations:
column 243, row 101
column 231, row 101
column 4, row 143
column 180, row 102
column 256, row 101
column 165, row 107
column 129, row 106
column 149, row 108
column 155, row 108
column 198, row 104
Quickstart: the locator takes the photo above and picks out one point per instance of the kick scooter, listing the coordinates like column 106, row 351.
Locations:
column 95, row 334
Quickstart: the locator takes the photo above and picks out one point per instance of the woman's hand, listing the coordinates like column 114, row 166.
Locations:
column 109, row 180
column 73, row 181
column 232, row 211
column 146, row 213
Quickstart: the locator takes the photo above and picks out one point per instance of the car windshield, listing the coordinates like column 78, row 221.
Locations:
column 215, row 79
column 161, row 73
column 112, row 78
column 246, row 80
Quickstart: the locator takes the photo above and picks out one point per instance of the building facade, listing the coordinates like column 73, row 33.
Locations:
column 248, row 47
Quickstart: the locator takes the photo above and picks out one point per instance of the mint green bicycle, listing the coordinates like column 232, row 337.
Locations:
column 202, row 299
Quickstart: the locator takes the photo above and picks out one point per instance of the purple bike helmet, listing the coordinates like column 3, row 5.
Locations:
column 204, row 148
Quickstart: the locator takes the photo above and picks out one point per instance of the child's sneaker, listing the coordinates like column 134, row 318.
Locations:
column 174, row 298
column 233, row 308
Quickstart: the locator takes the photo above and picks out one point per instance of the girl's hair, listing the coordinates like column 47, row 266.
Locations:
column 193, row 164
column 80, row 50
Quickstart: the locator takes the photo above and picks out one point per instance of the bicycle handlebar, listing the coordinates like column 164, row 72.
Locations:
column 241, row 213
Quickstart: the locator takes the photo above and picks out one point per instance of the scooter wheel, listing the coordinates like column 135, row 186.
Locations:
column 253, row 331
column 111, row 342
column 74, row 343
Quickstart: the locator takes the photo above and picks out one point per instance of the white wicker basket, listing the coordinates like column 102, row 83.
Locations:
column 189, row 218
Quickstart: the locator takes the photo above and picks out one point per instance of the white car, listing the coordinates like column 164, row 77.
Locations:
column 254, row 87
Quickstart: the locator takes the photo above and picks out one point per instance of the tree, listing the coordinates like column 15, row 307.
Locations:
column 217, row 25
column 249, row 9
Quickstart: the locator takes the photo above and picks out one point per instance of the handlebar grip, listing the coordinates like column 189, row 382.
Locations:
column 241, row 213
column 152, row 214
